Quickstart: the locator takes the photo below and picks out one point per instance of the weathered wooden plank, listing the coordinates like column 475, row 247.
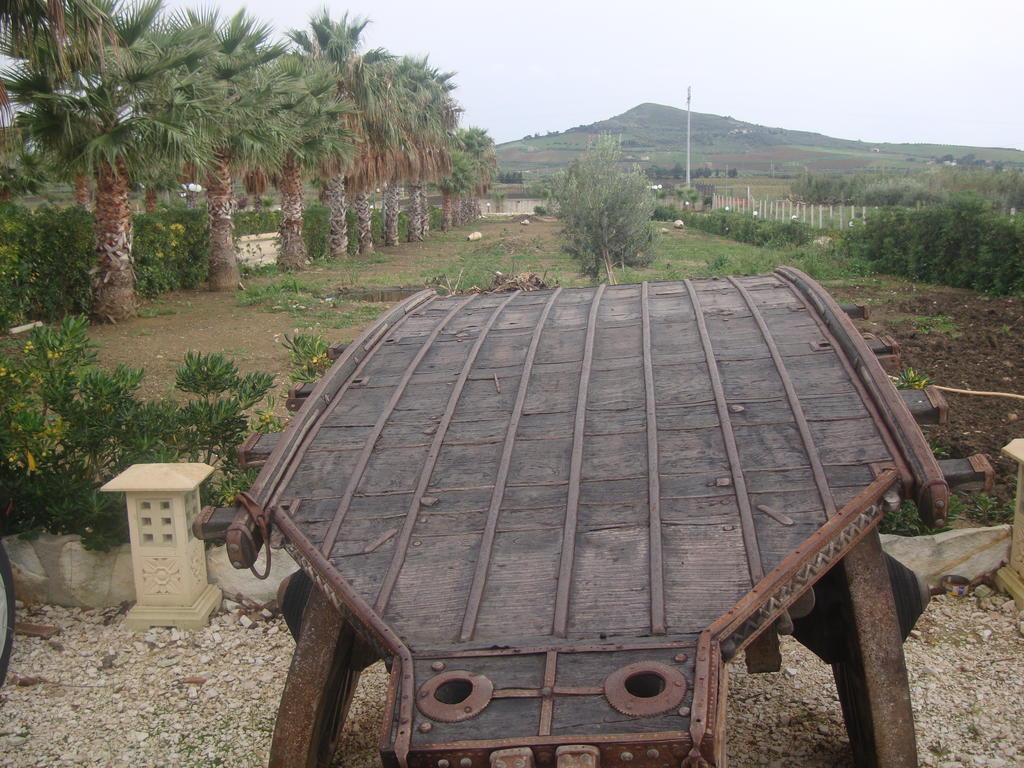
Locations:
column 565, row 566
column 655, row 558
column 436, row 454
column 720, row 386
column 362, row 463
column 503, row 472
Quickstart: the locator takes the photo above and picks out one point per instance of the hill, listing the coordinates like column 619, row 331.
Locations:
column 653, row 134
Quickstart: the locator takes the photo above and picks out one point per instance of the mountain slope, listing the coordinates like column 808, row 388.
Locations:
column 653, row 134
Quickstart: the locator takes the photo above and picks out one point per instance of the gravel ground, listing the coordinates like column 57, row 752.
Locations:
column 99, row 695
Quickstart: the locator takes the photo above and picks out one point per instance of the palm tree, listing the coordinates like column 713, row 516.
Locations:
column 428, row 117
column 22, row 172
column 245, row 134
column 479, row 148
column 313, row 118
column 358, row 79
column 135, row 101
column 257, row 184
column 457, row 182
column 27, row 25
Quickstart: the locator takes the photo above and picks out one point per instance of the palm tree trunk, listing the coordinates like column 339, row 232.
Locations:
column 364, row 222
column 424, row 206
column 257, row 204
column 338, row 207
column 150, row 200
column 447, row 217
column 113, row 284
column 416, row 212
column 391, row 214
column 224, row 274
column 82, row 190
column 292, row 255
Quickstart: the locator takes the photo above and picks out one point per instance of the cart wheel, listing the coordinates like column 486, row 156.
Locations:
column 6, row 614
column 321, row 681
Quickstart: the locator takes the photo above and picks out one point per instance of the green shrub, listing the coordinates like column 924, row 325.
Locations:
column 540, row 210
column 665, row 213
column 36, row 246
column 749, row 229
column 316, row 232
column 256, row 222
column 171, row 250
column 67, row 427
column 962, row 244
column 307, row 353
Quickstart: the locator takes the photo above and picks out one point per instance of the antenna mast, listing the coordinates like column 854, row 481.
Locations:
column 687, row 135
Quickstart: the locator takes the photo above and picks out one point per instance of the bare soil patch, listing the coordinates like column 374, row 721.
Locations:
column 961, row 339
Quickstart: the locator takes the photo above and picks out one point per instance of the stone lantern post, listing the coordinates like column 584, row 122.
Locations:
column 168, row 562
column 1011, row 577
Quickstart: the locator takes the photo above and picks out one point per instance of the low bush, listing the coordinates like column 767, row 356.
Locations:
column 665, row 213
column 252, row 222
column 66, row 427
column 750, row 229
column 171, row 250
column 34, row 247
column 962, row 244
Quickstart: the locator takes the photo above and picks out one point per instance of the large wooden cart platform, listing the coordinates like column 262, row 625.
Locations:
column 557, row 514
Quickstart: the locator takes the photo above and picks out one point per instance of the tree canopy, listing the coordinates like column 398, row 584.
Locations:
column 605, row 210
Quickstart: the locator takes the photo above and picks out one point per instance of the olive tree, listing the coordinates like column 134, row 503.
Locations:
column 605, row 211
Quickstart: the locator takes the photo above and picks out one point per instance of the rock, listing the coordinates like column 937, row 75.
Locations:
column 245, row 621
column 982, row 591
column 968, row 552
column 475, row 236
column 59, row 570
column 241, row 582
column 525, row 222
column 678, row 224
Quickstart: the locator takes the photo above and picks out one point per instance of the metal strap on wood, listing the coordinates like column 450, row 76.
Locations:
column 739, row 484
column 402, row 545
column 572, row 505
column 498, row 494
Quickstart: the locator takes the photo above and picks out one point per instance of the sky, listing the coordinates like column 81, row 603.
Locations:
column 902, row 71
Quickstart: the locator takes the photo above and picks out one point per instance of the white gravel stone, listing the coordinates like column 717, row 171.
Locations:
column 136, row 712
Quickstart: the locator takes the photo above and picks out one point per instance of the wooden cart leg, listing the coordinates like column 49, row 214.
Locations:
column 872, row 678
column 321, row 680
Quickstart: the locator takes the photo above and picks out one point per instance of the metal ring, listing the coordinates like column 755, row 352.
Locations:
column 645, row 689
column 453, row 696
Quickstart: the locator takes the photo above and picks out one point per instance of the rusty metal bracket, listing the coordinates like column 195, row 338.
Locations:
column 578, row 756
column 247, row 534
column 454, row 696
column 520, row 757
column 645, row 689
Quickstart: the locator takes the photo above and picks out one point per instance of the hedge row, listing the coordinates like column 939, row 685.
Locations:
column 961, row 243
column 46, row 254
column 46, row 258
column 748, row 229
